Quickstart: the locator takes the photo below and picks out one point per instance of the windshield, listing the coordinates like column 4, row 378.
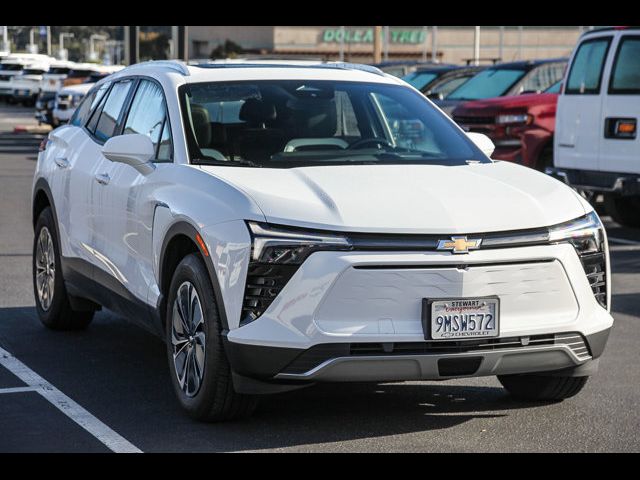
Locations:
column 11, row 67
column 288, row 123
column 493, row 82
column 419, row 80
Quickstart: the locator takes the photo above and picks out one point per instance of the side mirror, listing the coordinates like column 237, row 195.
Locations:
column 135, row 150
column 483, row 142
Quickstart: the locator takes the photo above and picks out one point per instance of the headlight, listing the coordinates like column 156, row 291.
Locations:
column 280, row 245
column 514, row 118
column 587, row 236
column 276, row 254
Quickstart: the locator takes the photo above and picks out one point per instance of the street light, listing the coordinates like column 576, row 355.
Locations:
column 62, row 52
column 92, row 52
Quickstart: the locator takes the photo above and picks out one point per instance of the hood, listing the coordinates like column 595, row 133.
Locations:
column 498, row 104
column 478, row 198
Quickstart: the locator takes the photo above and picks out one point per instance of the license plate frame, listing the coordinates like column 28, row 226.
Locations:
column 427, row 315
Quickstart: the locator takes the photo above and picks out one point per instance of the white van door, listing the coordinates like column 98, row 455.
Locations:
column 619, row 141
column 579, row 107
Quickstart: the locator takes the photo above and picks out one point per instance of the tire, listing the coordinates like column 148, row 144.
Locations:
column 210, row 397
column 54, row 308
column 623, row 210
column 542, row 387
column 545, row 159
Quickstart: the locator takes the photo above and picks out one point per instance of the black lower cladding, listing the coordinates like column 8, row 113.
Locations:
column 265, row 362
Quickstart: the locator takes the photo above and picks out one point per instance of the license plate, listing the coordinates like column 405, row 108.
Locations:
column 461, row 318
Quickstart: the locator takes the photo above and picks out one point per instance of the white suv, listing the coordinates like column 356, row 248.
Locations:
column 281, row 224
column 596, row 146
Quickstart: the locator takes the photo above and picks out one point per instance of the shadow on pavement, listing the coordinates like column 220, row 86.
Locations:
column 119, row 373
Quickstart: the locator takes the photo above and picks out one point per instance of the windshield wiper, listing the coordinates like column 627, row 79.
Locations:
column 227, row 163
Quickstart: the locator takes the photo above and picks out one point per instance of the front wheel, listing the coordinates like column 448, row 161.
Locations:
column 200, row 372
column 542, row 387
column 623, row 210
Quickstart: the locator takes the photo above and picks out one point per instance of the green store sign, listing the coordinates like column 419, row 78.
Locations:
column 365, row 35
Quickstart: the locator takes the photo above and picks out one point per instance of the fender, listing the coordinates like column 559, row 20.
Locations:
column 42, row 185
column 183, row 227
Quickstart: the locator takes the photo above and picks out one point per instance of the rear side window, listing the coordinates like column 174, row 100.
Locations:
column 108, row 120
column 542, row 77
column 625, row 78
column 586, row 70
column 82, row 113
column 147, row 116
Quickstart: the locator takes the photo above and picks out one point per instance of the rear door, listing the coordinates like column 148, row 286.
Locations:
column 580, row 106
column 619, row 141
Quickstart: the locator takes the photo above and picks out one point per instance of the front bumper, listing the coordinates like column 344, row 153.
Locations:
column 356, row 316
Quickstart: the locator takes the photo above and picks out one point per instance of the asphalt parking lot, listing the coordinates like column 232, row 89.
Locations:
column 107, row 388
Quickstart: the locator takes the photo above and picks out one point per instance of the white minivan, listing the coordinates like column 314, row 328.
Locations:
column 596, row 146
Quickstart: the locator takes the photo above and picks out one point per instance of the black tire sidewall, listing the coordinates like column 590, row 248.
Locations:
column 192, row 269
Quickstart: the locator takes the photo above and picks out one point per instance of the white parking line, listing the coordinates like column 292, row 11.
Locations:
column 112, row 440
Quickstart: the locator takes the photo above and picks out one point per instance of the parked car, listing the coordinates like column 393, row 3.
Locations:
column 26, row 85
column 596, row 147
column 68, row 98
column 505, row 79
column 52, row 81
column 520, row 126
column 438, row 81
column 272, row 226
column 12, row 65
column 401, row 68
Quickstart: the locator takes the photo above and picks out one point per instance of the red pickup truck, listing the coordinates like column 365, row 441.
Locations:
column 520, row 126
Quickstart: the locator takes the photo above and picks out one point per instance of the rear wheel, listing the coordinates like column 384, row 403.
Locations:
column 52, row 301
column 623, row 210
column 542, row 387
column 200, row 372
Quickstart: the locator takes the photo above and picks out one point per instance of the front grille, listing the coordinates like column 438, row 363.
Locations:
column 473, row 120
column 264, row 283
column 319, row 354
column 594, row 267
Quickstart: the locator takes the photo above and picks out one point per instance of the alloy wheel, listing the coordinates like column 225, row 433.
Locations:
column 45, row 269
column 188, row 339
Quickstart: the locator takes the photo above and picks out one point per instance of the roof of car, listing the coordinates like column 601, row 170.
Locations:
column 526, row 63
column 230, row 70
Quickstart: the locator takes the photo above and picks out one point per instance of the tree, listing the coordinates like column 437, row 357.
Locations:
column 229, row 49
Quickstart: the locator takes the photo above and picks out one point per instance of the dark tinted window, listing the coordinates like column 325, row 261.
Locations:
column 147, row 114
column 95, row 107
column 492, row 82
column 542, row 77
column 59, row 70
column 80, row 73
column 586, row 69
column 288, row 123
column 108, row 120
column 12, row 67
column 626, row 70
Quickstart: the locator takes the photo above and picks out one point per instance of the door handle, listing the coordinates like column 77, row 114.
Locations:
column 103, row 178
column 62, row 162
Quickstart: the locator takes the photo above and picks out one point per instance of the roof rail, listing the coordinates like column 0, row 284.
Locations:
column 241, row 63
column 175, row 65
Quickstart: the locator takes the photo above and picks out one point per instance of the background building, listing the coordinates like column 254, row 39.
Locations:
column 355, row 43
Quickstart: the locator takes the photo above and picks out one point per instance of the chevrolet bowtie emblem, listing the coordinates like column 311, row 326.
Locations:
column 459, row 244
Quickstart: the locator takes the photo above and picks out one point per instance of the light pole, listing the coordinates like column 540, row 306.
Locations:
column 92, row 52
column 5, row 39
column 62, row 52
column 476, row 46
column 49, row 41
column 32, row 48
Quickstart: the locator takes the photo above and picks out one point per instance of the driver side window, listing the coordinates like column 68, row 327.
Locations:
column 148, row 116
